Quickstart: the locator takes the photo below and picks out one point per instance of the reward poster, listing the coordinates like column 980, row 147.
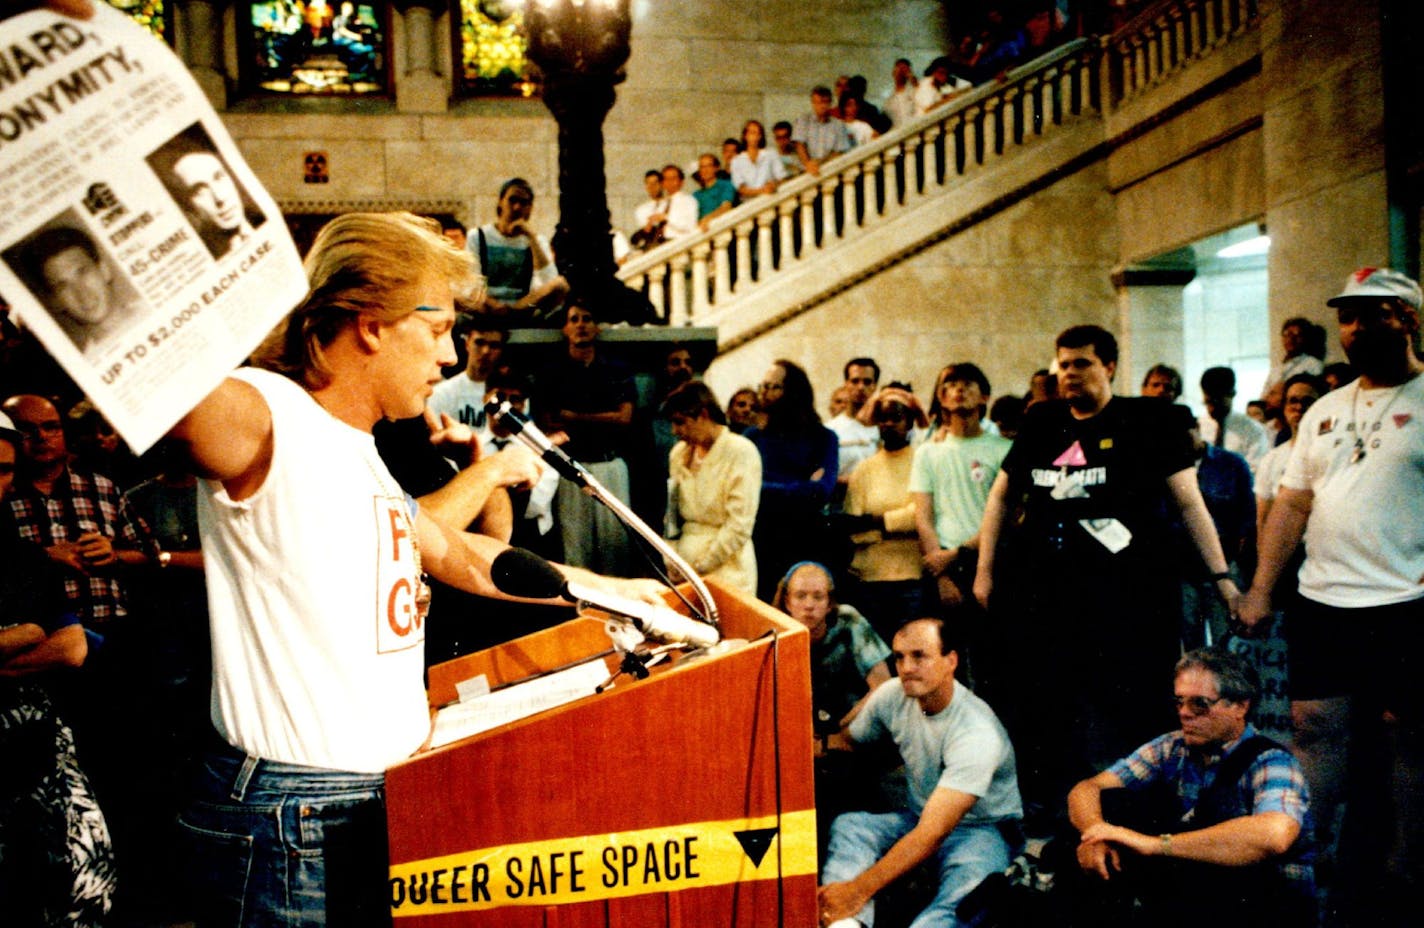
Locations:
column 135, row 242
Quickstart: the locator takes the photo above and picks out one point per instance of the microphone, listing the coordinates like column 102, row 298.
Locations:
column 530, row 435
column 658, row 622
column 518, row 572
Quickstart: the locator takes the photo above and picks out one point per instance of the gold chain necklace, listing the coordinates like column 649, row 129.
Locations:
column 1358, row 454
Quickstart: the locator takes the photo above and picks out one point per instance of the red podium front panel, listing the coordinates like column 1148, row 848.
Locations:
column 682, row 799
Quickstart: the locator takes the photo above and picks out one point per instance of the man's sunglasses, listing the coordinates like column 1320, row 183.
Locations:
column 1196, row 705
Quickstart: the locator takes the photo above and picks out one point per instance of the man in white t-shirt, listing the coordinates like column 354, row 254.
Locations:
column 940, row 86
column 900, row 105
column 315, row 564
column 858, row 440
column 1353, row 491
column 682, row 206
column 462, row 397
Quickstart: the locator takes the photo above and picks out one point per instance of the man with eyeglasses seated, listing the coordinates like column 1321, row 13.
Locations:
column 1209, row 819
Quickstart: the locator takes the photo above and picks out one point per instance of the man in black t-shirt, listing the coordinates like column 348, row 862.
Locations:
column 590, row 397
column 1088, row 586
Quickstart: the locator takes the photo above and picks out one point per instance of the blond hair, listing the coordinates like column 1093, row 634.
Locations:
column 358, row 262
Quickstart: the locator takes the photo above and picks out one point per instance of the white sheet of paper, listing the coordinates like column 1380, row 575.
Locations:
column 105, row 137
column 501, row 707
column 1110, row 533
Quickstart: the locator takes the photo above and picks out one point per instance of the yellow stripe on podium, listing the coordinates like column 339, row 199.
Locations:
column 607, row 866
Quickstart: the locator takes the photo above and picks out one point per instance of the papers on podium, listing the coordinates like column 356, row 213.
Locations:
column 491, row 710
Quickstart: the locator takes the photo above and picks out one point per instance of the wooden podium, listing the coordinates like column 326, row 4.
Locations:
column 684, row 799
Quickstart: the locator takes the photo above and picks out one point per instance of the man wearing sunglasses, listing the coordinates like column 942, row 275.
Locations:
column 1353, row 492
column 1211, row 818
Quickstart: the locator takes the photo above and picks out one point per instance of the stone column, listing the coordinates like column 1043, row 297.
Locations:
column 200, row 42
column 1323, row 130
column 421, row 88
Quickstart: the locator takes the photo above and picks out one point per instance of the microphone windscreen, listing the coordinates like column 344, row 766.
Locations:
column 518, row 572
column 499, row 410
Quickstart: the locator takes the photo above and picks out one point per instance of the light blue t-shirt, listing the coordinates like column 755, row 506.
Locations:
column 957, row 474
column 962, row 747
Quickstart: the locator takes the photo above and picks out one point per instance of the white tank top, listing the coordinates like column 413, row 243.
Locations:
column 318, row 652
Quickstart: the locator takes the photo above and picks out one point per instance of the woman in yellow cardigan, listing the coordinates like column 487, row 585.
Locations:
column 714, row 486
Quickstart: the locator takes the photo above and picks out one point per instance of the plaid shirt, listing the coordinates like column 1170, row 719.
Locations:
column 822, row 139
column 1273, row 783
column 840, row 662
column 82, row 502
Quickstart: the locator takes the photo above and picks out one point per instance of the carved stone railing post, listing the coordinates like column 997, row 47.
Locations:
column 745, row 234
column 722, row 267
column 786, row 231
column 701, row 254
column 657, row 284
column 809, row 205
column 677, row 288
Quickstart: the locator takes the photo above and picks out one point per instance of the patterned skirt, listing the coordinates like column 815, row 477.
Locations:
column 56, row 862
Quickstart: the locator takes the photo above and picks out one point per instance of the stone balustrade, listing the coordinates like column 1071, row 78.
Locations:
column 1166, row 36
column 695, row 279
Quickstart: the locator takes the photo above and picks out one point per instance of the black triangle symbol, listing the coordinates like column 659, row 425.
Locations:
column 755, row 841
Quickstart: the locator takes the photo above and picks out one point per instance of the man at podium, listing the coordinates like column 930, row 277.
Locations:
column 964, row 795
column 316, row 562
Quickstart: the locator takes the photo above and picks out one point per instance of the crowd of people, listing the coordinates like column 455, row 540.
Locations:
column 841, row 116
column 1034, row 615
column 1057, row 551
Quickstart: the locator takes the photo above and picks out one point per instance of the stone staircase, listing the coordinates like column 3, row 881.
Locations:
column 777, row 256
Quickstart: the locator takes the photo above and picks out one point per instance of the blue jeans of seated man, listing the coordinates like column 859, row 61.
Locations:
column 967, row 856
column 285, row 845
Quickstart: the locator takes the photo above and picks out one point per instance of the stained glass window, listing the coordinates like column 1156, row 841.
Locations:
column 492, row 47
column 150, row 14
column 316, row 47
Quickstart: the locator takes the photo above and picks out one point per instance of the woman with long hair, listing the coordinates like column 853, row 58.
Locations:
column 755, row 171
column 798, row 465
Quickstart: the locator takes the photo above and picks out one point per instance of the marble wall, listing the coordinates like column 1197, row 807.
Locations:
column 697, row 71
column 1324, row 151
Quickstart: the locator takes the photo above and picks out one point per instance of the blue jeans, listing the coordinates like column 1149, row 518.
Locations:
column 285, row 845
column 967, row 856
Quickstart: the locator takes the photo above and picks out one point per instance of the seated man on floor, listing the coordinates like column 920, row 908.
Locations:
column 964, row 796
column 1222, row 810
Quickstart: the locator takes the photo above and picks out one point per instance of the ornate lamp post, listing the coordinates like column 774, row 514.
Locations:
column 581, row 47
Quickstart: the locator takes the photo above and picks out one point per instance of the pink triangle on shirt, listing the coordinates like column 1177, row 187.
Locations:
column 1073, row 457
column 1401, row 419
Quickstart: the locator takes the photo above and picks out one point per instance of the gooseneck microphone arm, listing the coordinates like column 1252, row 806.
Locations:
column 535, row 440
